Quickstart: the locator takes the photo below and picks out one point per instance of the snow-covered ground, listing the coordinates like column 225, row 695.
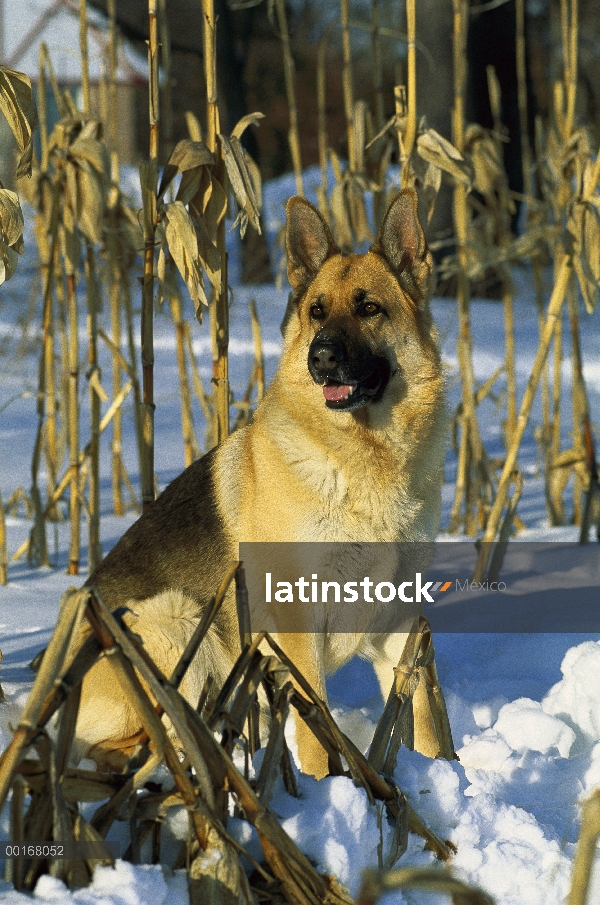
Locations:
column 524, row 708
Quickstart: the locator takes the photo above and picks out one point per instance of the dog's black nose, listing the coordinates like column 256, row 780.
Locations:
column 326, row 355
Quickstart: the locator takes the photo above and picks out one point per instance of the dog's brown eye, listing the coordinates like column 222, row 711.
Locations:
column 369, row 309
column 317, row 311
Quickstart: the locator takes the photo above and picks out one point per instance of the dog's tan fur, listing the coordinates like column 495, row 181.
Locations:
column 299, row 472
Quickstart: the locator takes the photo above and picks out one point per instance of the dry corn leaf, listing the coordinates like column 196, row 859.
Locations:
column 11, row 217
column 589, row 288
column 181, row 239
column 590, row 239
column 59, row 138
column 235, row 177
column 578, row 145
column 584, row 228
column 242, row 221
column 391, row 125
column 255, row 176
column 530, row 243
column 209, row 255
column 488, row 167
column 430, row 879
column 79, row 788
column 18, row 106
column 90, row 204
column 190, row 184
column 11, row 233
column 437, row 150
column 588, row 187
column 584, row 232
column 186, row 155
column 241, row 183
column 488, row 255
column 85, row 832
column 341, row 219
column 92, row 151
column 91, row 128
column 216, row 876
column 161, row 264
column 568, row 458
column 18, row 246
column 69, row 225
column 252, row 208
column 202, row 195
column 558, row 478
column 429, row 178
column 358, row 212
column 72, row 195
column 214, row 201
column 251, row 119
column 30, row 187
column 153, row 807
column 431, row 187
column 8, row 262
column 193, row 126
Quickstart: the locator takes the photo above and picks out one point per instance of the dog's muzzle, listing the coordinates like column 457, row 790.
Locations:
column 349, row 379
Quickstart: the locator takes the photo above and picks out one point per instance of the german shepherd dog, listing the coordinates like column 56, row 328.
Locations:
column 347, row 445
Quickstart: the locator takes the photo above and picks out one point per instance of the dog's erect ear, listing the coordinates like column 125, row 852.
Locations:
column 308, row 240
column 402, row 242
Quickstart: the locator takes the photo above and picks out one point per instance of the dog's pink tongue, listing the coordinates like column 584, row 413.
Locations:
column 335, row 393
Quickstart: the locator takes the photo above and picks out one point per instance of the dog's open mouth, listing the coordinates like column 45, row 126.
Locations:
column 351, row 395
column 338, row 392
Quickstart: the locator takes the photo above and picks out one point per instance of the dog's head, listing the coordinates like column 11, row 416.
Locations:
column 366, row 316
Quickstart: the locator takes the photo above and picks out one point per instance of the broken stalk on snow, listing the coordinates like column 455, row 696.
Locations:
column 376, row 884
column 316, row 715
column 396, row 724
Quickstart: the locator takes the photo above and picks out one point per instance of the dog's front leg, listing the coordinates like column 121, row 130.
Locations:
column 305, row 650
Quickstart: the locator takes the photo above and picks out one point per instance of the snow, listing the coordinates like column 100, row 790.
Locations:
column 575, row 698
column 126, row 884
column 524, row 708
column 525, row 727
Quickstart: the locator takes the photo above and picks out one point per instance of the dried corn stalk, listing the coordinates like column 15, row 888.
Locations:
column 214, row 868
column 585, row 853
column 427, row 879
